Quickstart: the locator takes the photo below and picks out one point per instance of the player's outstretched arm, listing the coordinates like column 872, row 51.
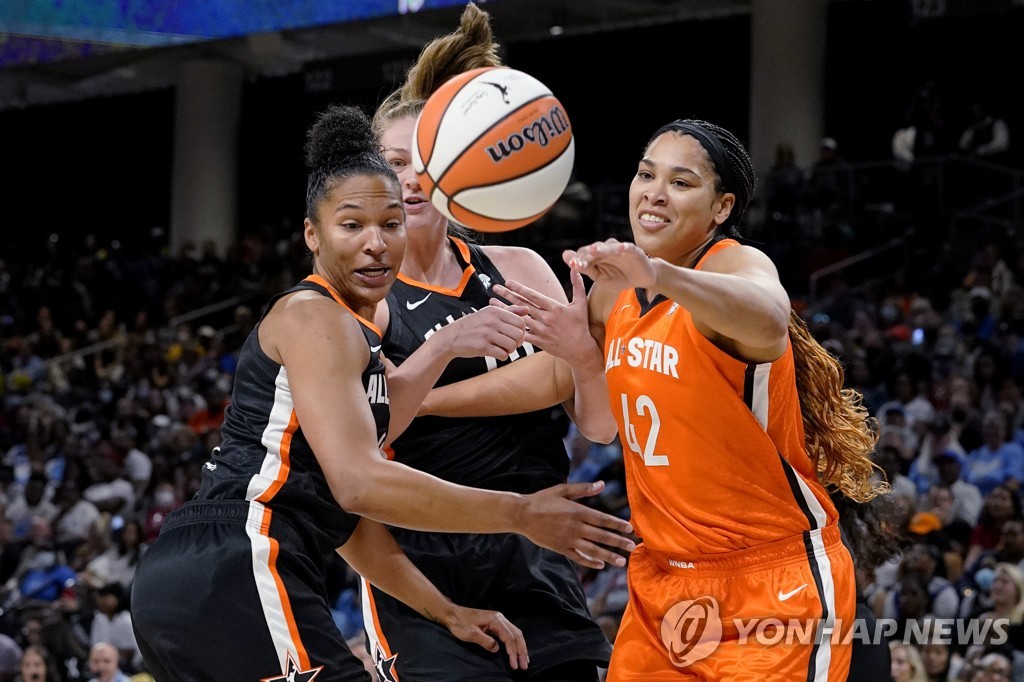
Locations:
column 323, row 351
column 373, row 553
column 493, row 331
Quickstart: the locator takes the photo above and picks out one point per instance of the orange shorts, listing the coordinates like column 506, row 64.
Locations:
column 774, row 612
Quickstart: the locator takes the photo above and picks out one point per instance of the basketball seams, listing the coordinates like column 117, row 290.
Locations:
column 489, row 156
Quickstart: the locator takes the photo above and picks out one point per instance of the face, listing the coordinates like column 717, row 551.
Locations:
column 673, row 205
column 1012, row 536
column 935, row 658
column 1003, row 590
column 900, row 667
column 358, row 240
column 103, row 662
column 1000, row 502
column 420, row 214
column 33, row 667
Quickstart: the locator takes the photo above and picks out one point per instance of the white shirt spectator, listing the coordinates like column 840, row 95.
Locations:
column 97, row 493
column 74, row 525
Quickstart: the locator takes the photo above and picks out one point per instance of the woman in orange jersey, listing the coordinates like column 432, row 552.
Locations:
column 735, row 428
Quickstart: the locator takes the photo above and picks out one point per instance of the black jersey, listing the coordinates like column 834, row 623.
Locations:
column 520, row 453
column 264, row 456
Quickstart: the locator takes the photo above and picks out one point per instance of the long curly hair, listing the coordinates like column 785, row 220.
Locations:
column 839, row 433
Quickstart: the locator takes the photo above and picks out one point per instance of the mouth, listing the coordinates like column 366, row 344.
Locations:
column 374, row 275
column 651, row 221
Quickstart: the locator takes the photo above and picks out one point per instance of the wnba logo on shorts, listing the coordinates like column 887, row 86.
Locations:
column 691, row 630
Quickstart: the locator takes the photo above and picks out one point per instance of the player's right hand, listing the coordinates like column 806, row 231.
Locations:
column 587, row 536
column 491, row 331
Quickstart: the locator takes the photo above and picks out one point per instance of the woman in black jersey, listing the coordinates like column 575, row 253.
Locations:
column 444, row 278
column 233, row 587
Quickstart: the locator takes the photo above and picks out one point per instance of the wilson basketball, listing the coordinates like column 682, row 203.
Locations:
column 493, row 149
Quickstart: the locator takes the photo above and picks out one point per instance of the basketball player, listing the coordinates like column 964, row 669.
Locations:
column 444, row 277
column 232, row 589
column 734, row 424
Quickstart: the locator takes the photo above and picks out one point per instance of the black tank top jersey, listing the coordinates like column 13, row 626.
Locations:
column 520, row 453
column 264, row 455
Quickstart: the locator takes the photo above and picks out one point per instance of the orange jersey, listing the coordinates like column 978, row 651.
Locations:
column 713, row 446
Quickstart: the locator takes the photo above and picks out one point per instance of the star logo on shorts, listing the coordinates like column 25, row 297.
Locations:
column 293, row 673
column 385, row 667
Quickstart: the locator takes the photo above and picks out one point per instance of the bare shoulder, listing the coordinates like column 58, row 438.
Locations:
column 525, row 266
column 304, row 321
column 517, row 262
column 740, row 258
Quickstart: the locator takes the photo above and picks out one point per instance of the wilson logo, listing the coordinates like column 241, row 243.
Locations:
column 540, row 131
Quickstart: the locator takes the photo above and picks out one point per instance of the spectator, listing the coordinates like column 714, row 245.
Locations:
column 75, row 515
column 37, row 666
column 940, row 662
column 118, row 562
column 1000, row 505
column 939, row 436
column 103, row 664
column 987, row 136
column 919, row 567
column 42, row 573
column 967, row 498
column 165, row 500
column 783, row 190
column 830, row 189
column 111, row 492
column 30, row 503
column 112, row 623
column 906, row 663
column 997, row 461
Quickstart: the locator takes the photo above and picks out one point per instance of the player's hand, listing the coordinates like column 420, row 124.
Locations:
column 486, row 629
column 617, row 265
column 562, row 329
column 494, row 331
column 554, row 521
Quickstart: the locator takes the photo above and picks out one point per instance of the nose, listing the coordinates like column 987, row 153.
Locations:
column 655, row 194
column 410, row 180
column 375, row 243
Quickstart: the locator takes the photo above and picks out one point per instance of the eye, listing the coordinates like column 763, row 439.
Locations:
column 398, row 163
column 350, row 225
column 394, row 224
column 644, row 174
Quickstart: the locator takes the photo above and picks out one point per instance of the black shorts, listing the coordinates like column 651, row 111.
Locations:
column 216, row 599
column 536, row 589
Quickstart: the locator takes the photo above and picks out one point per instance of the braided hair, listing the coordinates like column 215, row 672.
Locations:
column 339, row 145
column 839, row 435
column 729, row 159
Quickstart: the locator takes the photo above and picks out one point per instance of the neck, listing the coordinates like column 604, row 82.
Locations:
column 431, row 261
column 689, row 259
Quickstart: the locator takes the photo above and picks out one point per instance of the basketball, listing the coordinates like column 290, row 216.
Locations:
column 493, row 149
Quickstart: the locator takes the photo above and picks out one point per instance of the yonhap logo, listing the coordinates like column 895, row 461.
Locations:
column 691, row 630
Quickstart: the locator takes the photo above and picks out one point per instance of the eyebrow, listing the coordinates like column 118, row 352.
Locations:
column 672, row 169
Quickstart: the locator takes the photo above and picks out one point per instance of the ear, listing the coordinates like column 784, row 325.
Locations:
column 312, row 236
column 725, row 204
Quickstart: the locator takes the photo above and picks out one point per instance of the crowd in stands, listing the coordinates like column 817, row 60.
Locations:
column 97, row 447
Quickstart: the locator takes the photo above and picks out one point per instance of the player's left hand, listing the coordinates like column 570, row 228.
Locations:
column 561, row 329
column 486, row 628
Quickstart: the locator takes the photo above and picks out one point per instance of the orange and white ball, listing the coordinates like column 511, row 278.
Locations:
column 493, row 148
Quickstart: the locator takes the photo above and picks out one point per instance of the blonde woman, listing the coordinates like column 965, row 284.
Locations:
column 907, row 665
